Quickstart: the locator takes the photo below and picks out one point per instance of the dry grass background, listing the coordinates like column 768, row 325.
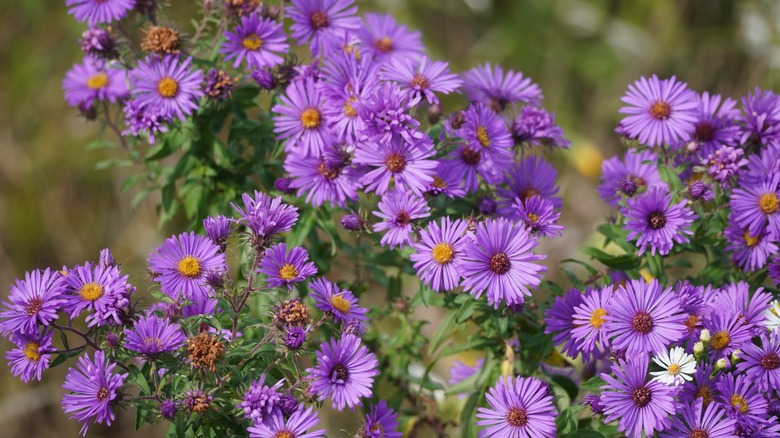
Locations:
column 56, row 209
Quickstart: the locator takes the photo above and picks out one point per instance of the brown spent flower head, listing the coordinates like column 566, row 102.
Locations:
column 292, row 313
column 197, row 401
column 205, row 350
column 161, row 40
column 241, row 8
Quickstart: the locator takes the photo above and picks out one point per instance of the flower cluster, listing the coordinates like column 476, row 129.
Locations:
column 675, row 327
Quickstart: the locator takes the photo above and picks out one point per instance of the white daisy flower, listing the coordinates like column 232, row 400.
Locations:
column 772, row 316
column 677, row 367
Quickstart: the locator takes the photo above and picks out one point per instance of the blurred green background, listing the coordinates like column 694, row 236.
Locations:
column 57, row 209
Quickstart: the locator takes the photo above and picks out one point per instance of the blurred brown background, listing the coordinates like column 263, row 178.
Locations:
column 57, row 209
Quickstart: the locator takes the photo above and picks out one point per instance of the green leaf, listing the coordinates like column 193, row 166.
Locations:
column 567, row 384
column 467, row 421
column 584, row 433
column 566, row 421
column 623, row 262
column 442, row 332
column 594, row 384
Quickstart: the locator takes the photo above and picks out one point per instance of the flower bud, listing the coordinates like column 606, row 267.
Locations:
column 698, row 349
column 106, row 259
column 353, row 222
column 705, row 336
column 720, row 364
column 283, row 185
column 487, row 205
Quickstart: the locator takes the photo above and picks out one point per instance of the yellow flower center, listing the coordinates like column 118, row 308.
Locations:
column 167, row 87
column 439, row 183
column 482, row 137
column 750, row 241
column 442, row 253
column 31, row 351
column 705, row 394
column 189, row 267
column 720, row 340
column 340, row 303
column 597, row 318
column 768, row 203
column 97, row 81
column 738, row 400
column 284, row 434
column 310, row 118
column 252, row 42
column 384, row 44
column 533, row 217
column 287, row 272
column 674, row 369
column 348, row 110
column 91, row 291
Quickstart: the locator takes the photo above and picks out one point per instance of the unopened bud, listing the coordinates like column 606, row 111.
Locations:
column 720, row 364
column 705, row 336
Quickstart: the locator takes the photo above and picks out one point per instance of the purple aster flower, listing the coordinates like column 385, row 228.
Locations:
column 200, row 305
column 715, row 124
column 695, row 421
column 560, row 321
column 736, row 299
column 283, row 269
column 296, row 426
column 98, row 43
column 657, row 222
column 539, row 216
column 300, row 119
column 727, row 333
column 659, row 111
column 741, row 397
column 724, row 163
column 381, row 422
column 288, row 404
column 180, row 265
column 99, row 11
column 460, row 371
column 485, row 131
column 384, row 114
column 340, row 303
column 619, row 178
column 260, row 400
column 499, row 260
column 639, row 405
column 323, row 178
column 168, row 85
column 537, row 127
column 761, row 118
column 519, row 407
column 106, row 260
column 33, row 302
column 257, row 41
column 490, row 86
column 700, row 190
column 755, row 205
column 386, row 41
column 92, row 386
column 487, row 205
column 644, row 318
column 347, row 80
column 354, row 327
column 218, row 228
column 266, row 216
column 703, row 387
column 152, row 335
column 397, row 210
column 140, row 119
column 532, row 176
column 168, row 409
column 283, row 185
column 345, row 372
column 92, row 80
column 353, row 222
column 31, row 356
column 322, row 22
column 761, row 363
column 438, row 254
column 422, row 78
column 593, row 401
column 749, row 252
column 469, row 164
column 264, row 79
column 589, row 331
column 101, row 290
column 295, row 337
column 446, row 181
